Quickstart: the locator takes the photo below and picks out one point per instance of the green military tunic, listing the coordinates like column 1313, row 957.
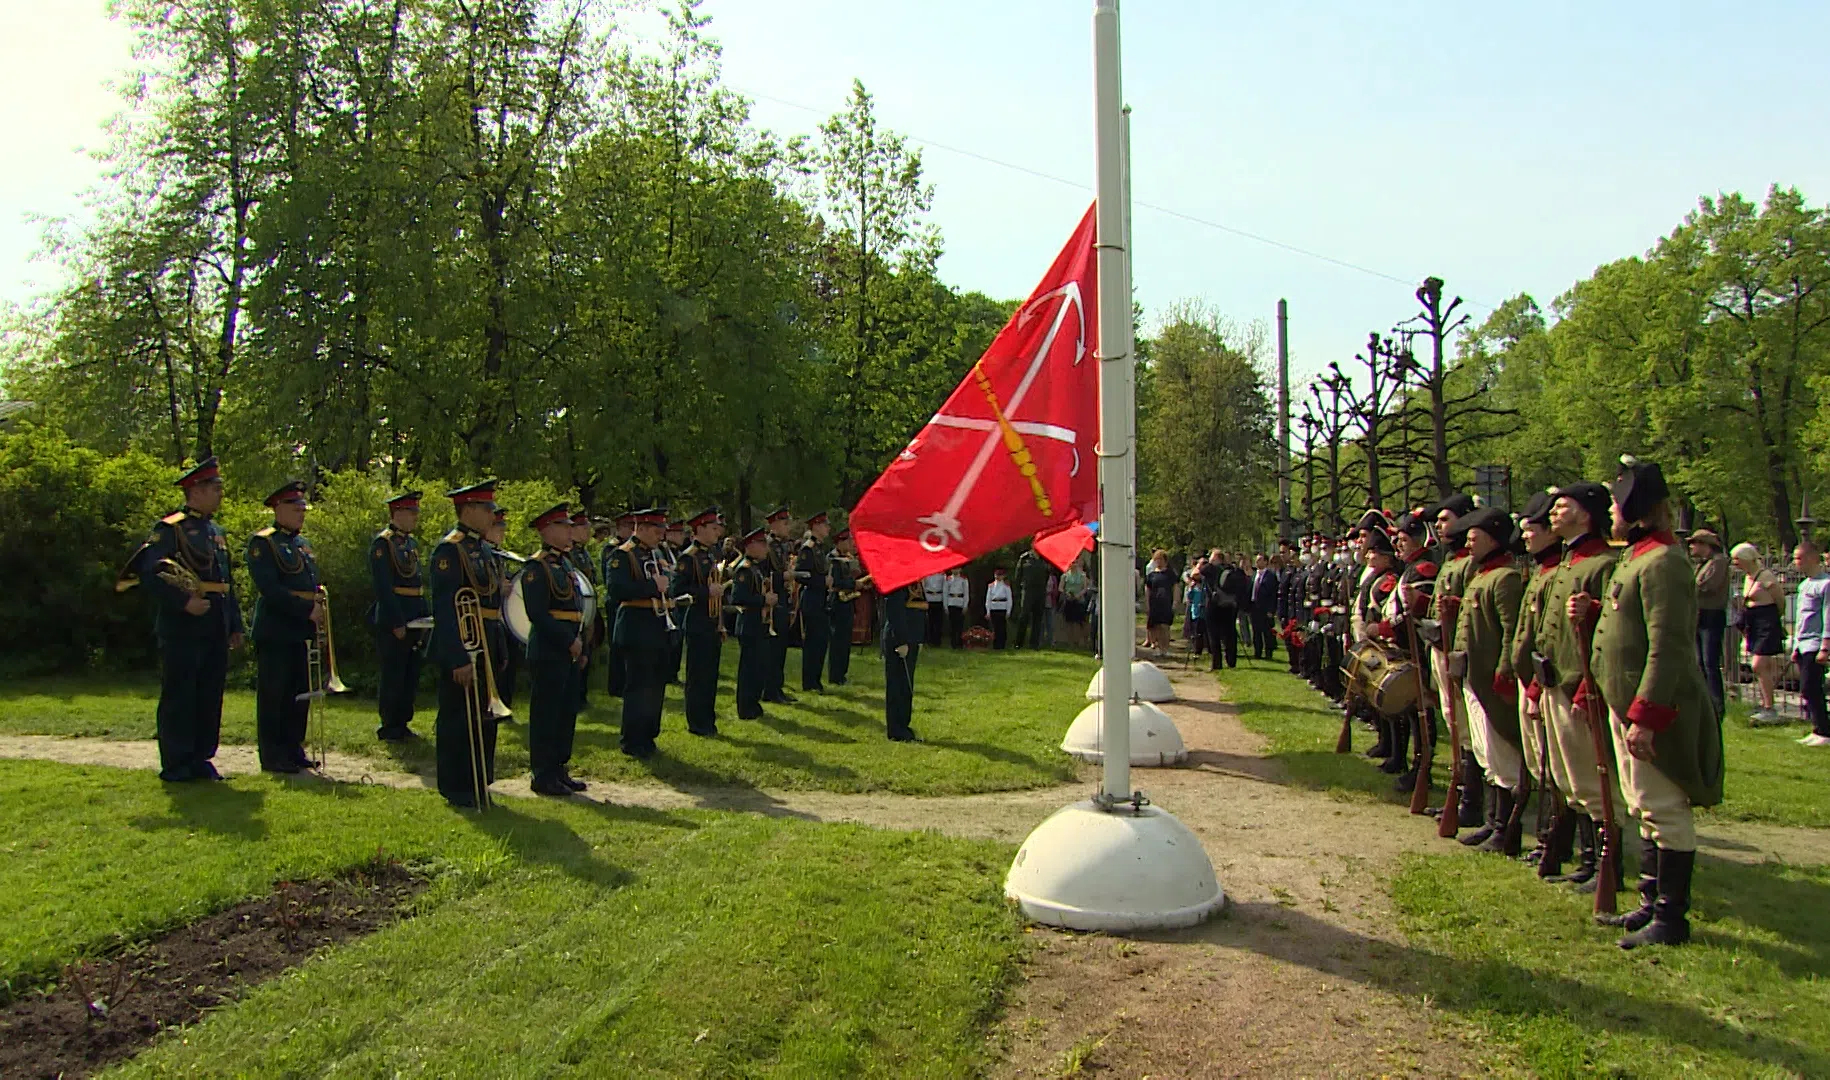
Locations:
column 905, row 618
column 1484, row 630
column 554, row 607
column 463, row 563
column 579, row 557
column 748, row 580
column 1451, row 581
column 400, row 598
column 641, row 638
column 285, row 579
column 781, row 570
column 1645, row 660
column 703, row 637
column 1534, row 610
column 1587, row 567
column 810, row 569
column 839, row 609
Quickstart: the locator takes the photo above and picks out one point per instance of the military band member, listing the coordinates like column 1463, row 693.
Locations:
column 905, row 622
column 286, row 616
column 781, row 563
column 701, row 626
column 813, row 572
column 463, row 561
column 196, row 623
column 400, row 599
column 752, row 598
column 1666, row 732
column 1544, row 553
column 639, row 585
column 673, row 542
column 1486, row 622
column 1581, row 516
column 614, row 674
column 504, row 565
column 555, row 653
column 580, row 558
column 841, row 607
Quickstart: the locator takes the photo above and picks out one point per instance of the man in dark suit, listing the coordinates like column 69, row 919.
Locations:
column 1229, row 592
column 1264, row 608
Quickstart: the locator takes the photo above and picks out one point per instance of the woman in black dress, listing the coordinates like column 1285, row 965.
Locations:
column 1159, row 600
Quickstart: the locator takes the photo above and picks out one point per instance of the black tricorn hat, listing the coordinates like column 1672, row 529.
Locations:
column 1640, row 487
column 1379, row 542
column 1412, row 525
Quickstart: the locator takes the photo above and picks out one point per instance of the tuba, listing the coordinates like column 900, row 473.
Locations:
column 322, row 679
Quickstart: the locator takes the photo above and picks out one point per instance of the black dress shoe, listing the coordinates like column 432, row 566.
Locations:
column 567, row 779
column 757, row 715
column 904, row 736
column 394, row 734
column 703, row 733
column 462, row 802
column 551, row 785
column 287, row 768
column 640, row 752
column 205, row 770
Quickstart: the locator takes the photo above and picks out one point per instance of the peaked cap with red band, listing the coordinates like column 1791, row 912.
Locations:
column 653, row 515
column 290, row 491
column 406, row 500
column 201, row 473
column 483, row 492
column 711, row 515
column 554, row 515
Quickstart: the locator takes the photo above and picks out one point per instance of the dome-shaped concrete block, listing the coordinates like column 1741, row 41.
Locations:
column 1148, row 683
column 1123, row 870
column 1154, row 738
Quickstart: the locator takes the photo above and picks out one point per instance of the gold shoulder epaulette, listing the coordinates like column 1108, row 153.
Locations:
column 627, row 545
column 172, row 518
column 454, row 536
column 264, row 533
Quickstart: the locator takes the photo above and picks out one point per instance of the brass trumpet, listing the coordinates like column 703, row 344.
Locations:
column 322, row 678
column 480, row 696
column 178, row 576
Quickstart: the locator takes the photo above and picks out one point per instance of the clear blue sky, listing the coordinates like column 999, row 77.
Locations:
column 1505, row 148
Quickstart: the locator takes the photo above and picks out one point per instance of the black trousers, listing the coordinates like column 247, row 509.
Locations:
column 838, row 644
column 751, row 654
column 775, row 665
column 615, row 677
column 956, row 627
column 1263, row 644
column 815, row 631
column 1712, row 628
column 281, row 675
column 1223, row 637
column 397, row 661
column 458, row 760
column 508, row 668
column 676, row 653
column 702, row 652
column 552, row 712
column 1029, row 626
column 192, row 672
column 643, row 694
column 937, row 622
column 1000, row 629
column 1811, row 689
column 899, row 691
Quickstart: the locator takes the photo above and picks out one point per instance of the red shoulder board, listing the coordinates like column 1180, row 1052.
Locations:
column 1387, row 583
column 1427, row 570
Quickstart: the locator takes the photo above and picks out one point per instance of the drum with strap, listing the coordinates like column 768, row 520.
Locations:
column 1382, row 677
column 514, row 606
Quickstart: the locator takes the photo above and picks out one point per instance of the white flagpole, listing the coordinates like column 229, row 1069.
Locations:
column 1117, row 559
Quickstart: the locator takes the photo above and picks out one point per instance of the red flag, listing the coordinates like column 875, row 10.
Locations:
column 1011, row 453
column 1063, row 546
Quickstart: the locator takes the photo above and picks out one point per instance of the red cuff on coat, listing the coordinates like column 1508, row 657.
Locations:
column 1382, row 628
column 1581, row 698
column 1505, row 686
column 1533, row 691
column 1651, row 715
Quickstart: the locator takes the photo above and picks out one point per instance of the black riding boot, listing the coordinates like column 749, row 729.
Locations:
column 1558, row 845
column 1383, row 747
column 1490, row 797
column 1507, row 801
column 1585, row 859
column 1648, row 890
column 1669, row 925
column 1612, row 858
column 1397, row 752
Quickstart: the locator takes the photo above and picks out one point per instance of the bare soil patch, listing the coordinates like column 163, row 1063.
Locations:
column 102, row 1012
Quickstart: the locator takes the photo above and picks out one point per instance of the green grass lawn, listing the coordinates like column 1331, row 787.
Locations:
column 1747, row 998
column 991, row 722
column 558, row 939
column 1770, row 777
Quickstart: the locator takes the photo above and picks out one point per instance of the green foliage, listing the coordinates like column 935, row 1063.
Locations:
column 573, row 939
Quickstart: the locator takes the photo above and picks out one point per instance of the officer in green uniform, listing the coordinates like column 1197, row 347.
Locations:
column 698, row 575
column 1486, row 622
column 840, row 607
column 905, row 623
column 615, row 675
column 752, row 600
column 286, row 617
column 1544, row 553
column 1032, row 599
column 783, row 584
column 1667, row 734
column 813, row 569
column 555, row 653
column 400, row 600
column 579, row 555
column 462, row 562
column 196, row 621
column 639, row 586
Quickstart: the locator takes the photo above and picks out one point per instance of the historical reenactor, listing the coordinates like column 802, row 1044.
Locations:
column 841, row 612
column 1581, row 516
column 1486, row 621
column 1452, row 557
column 1372, row 598
column 813, row 569
column 1404, row 610
column 400, row 601
column 702, row 625
column 1544, row 553
column 1666, row 732
column 287, row 615
column 555, row 652
column 785, row 586
column 639, row 585
column 184, row 564
column 614, row 676
column 752, row 598
column 579, row 555
column 462, row 561
column 905, row 615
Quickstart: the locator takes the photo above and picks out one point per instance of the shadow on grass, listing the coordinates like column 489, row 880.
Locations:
column 1514, row 994
column 775, row 721
column 995, row 753
column 1774, row 897
column 546, row 842
column 223, row 809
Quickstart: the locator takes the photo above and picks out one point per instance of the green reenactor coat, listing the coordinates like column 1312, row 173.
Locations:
column 1484, row 630
column 1534, row 611
column 1588, row 566
column 1451, row 581
column 1644, row 657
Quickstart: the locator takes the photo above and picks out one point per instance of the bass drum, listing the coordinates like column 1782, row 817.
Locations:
column 1383, row 678
column 514, row 606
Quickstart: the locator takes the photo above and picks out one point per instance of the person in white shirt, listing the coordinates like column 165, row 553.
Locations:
column 998, row 602
column 959, row 595
column 934, row 591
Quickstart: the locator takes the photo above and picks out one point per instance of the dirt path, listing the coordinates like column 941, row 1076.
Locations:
column 1303, row 975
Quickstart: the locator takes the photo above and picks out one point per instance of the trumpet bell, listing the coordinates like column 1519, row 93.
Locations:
column 335, row 685
column 499, row 710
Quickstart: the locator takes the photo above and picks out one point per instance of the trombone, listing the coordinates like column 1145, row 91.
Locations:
column 480, row 696
column 322, row 680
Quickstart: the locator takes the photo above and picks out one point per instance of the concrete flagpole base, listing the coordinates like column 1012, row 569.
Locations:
column 1148, row 683
column 1115, row 871
column 1154, row 738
